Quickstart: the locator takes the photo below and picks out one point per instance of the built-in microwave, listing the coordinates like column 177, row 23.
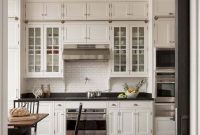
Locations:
column 165, row 87
column 165, row 58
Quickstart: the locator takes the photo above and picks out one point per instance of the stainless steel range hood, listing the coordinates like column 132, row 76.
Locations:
column 86, row 52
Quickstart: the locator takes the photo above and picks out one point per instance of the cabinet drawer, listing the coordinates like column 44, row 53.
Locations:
column 113, row 104
column 59, row 105
column 135, row 104
column 90, row 104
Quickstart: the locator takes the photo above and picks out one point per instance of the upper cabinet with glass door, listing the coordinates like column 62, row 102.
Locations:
column 120, row 47
column 43, row 55
column 129, row 50
column 164, row 7
column 34, row 50
column 138, row 49
column 53, row 51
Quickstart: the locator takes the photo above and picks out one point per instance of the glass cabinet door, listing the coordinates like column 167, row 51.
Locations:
column 52, row 49
column 34, row 49
column 138, row 49
column 120, row 46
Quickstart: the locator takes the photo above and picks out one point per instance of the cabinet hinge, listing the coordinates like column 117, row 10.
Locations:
column 54, row 114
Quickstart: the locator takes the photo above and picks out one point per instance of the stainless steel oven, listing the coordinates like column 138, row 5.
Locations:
column 165, row 87
column 92, row 122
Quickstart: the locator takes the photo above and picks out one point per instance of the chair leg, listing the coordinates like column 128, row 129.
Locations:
column 35, row 128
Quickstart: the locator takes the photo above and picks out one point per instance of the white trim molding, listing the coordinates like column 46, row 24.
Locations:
column 194, row 68
column 3, row 65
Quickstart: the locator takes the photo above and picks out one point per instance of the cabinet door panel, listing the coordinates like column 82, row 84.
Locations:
column 127, row 122
column 13, row 73
column 164, row 7
column 34, row 11
column 13, row 8
column 46, row 126
column 163, row 33
column 75, row 33
column 75, row 11
column 164, row 126
column 113, row 122
column 138, row 48
column 59, row 122
column 52, row 11
column 138, row 10
column 143, row 122
column 34, row 50
column 13, row 34
column 98, row 33
column 120, row 44
column 97, row 11
column 52, row 50
column 120, row 10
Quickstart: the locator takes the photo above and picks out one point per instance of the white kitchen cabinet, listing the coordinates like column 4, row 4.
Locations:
column 34, row 11
column 129, row 10
column 13, row 74
column 164, row 36
column 13, row 34
column 43, row 51
column 75, row 33
column 113, row 120
column 127, row 124
column 130, row 118
column 86, row 11
column 59, row 118
column 53, row 11
column 75, row 11
column 82, row 33
column 129, row 49
column 164, row 126
column 164, row 7
column 144, row 118
column 43, row 11
column 98, row 33
column 98, row 11
column 13, row 8
column 46, row 126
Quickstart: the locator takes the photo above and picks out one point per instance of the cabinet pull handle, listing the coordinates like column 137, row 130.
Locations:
column 170, row 13
column 17, row 93
column 114, row 105
column 135, row 104
column 59, row 105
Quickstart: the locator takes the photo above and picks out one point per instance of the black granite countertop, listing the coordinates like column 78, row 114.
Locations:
column 83, row 97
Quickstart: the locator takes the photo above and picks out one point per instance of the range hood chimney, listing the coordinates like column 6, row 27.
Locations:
column 86, row 52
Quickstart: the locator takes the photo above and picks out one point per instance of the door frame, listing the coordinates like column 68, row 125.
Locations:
column 3, row 65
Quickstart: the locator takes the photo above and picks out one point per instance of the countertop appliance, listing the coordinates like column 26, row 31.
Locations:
column 165, row 87
column 92, row 121
column 86, row 52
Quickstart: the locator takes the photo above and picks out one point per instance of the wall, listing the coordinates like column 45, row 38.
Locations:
column 74, row 79
column 3, row 66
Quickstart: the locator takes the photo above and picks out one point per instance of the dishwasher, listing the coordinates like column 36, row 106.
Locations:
column 92, row 121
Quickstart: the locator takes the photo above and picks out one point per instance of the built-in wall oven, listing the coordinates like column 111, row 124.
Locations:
column 92, row 122
column 165, row 87
column 165, row 58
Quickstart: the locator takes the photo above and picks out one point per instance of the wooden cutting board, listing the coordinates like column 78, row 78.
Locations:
column 25, row 118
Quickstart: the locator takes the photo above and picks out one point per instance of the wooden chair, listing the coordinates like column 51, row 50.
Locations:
column 78, row 119
column 31, row 105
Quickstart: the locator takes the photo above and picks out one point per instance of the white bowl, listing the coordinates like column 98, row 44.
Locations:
column 131, row 95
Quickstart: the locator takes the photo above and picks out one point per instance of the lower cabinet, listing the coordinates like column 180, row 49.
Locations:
column 165, row 126
column 130, row 121
column 123, row 118
column 46, row 126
